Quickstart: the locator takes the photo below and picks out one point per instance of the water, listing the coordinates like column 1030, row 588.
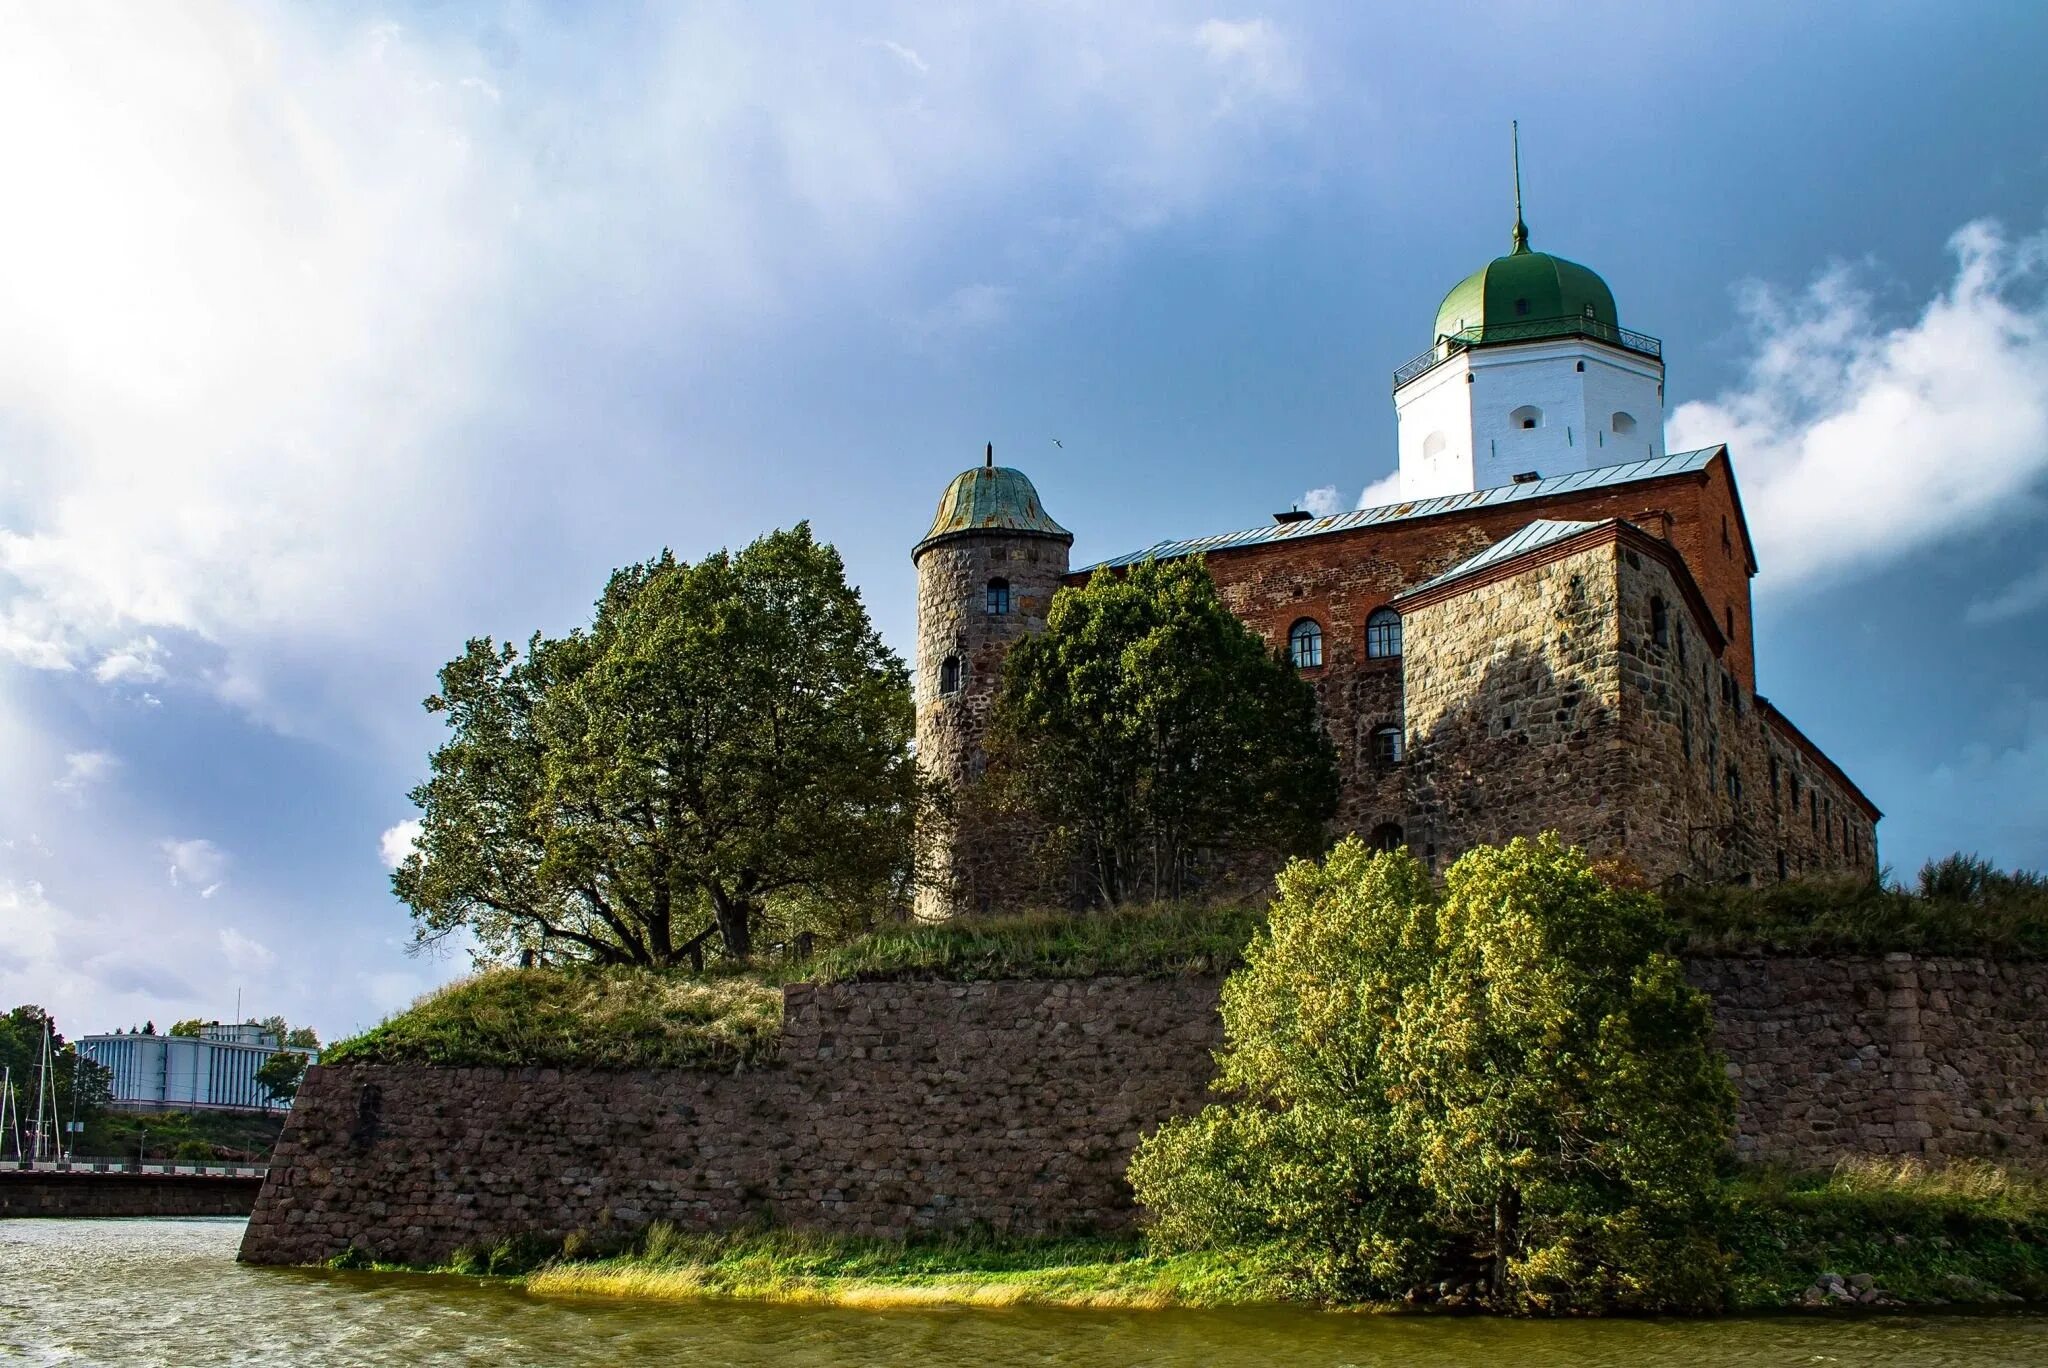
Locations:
column 169, row 1292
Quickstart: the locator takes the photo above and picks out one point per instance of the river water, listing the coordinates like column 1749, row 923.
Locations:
column 169, row 1292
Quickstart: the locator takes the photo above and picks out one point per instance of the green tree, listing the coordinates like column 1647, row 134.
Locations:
column 1508, row 1082
column 281, row 1074
column 83, row 1086
column 1147, row 726
column 190, row 1026
column 726, row 734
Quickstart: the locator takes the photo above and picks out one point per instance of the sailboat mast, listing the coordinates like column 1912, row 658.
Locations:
column 43, row 1067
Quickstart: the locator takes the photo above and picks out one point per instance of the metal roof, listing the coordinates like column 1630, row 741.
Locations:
column 1542, row 532
column 1677, row 463
column 991, row 498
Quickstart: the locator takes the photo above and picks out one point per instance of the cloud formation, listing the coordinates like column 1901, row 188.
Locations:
column 397, row 842
column 196, row 864
column 1860, row 443
column 84, row 770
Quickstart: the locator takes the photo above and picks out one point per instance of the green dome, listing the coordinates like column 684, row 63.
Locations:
column 991, row 498
column 1526, row 294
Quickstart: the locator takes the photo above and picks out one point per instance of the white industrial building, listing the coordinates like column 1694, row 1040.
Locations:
column 216, row 1068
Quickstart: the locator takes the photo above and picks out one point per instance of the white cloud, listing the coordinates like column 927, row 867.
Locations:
column 2024, row 595
column 306, row 257
column 397, row 841
column 244, row 953
column 1859, row 443
column 135, row 661
column 83, row 770
column 1385, row 490
column 1323, row 501
column 196, row 863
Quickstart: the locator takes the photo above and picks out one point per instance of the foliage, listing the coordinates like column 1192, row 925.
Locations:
column 1970, row 1231
column 280, row 1074
column 296, row 1037
column 82, row 1086
column 1959, row 905
column 190, row 1026
column 791, row 1267
column 231, row 1136
column 1148, row 727
column 598, row 1017
column 725, row 734
column 1508, row 1082
column 1157, row 941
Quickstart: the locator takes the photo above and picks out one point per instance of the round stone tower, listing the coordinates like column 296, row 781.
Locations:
column 986, row 574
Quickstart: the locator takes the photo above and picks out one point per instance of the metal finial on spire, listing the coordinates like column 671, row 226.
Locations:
column 991, row 457
column 1521, row 228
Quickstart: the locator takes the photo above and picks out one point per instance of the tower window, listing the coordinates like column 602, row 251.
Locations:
column 1579, row 366
column 949, row 675
column 1383, row 634
column 1660, row 622
column 998, row 596
column 1623, row 423
column 1305, row 644
column 1386, row 836
column 1728, row 614
column 1387, row 747
column 1527, row 416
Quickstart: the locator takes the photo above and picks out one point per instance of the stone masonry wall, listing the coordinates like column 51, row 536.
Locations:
column 900, row 1108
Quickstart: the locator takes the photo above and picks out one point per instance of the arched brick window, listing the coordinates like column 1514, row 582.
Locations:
column 1386, row 836
column 949, row 675
column 1305, row 644
column 1383, row 634
column 998, row 596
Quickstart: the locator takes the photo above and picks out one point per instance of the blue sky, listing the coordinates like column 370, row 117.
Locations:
column 331, row 336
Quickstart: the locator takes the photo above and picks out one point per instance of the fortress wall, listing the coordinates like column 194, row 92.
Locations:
column 905, row 1107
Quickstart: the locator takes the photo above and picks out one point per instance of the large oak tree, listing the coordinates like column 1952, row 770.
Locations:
column 724, row 733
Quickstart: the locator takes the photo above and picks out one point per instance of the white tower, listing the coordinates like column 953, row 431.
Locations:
column 1531, row 374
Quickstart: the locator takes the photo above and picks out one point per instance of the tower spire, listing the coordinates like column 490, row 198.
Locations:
column 1521, row 228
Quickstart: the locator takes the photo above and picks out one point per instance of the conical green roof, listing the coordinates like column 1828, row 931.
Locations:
column 1526, row 295
column 991, row 498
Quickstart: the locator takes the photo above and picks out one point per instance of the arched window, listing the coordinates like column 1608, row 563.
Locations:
column 1387, row 746
column 1433, row 445
column 949, row 675
column 998, row 596
column 1527, row 416
column 1386, row 836
column 1660, row 621
column 1624, row 424
column 1383, row 634
column 1305, row 644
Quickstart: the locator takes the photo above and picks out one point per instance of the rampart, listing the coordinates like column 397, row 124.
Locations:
column 899, row 1108
column 81, row 1192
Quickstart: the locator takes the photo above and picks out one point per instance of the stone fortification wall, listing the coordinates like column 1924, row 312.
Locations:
column 899, row 1108
column 895, row 1108
column 80, row 1192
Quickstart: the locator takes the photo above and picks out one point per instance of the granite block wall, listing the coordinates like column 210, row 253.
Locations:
column 899, row 1108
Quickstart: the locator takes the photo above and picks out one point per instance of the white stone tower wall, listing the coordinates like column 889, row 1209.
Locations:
column 964, row 866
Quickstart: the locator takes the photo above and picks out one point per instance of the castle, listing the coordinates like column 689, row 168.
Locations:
column 1551, row 629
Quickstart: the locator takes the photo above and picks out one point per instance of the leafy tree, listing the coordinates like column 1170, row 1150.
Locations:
column 83, row 1087
column 190, row 1026
column 281, row 1074
column 725, row 735
column 1507, row 1083
column 1147, row 725
column 286, row 1034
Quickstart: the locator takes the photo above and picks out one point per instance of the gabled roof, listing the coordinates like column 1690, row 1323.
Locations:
column 1677, row 463
column 1535, row 536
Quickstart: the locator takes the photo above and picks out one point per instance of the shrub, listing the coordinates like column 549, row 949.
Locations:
column 1508, row 1083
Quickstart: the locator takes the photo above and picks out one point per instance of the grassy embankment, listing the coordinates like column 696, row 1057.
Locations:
column 238, row 1137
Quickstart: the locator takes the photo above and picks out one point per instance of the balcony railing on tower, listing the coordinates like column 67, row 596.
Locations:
column 1526, row 330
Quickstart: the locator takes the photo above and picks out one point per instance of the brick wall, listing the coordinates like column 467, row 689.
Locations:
column 124, row 1194
column 900, row 1108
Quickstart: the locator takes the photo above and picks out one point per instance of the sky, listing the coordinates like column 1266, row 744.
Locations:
column 332, row 335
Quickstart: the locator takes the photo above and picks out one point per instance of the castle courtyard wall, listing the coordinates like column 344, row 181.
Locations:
column 899, row 1108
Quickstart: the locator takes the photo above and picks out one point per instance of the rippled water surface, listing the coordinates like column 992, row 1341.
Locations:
column 170, row 1292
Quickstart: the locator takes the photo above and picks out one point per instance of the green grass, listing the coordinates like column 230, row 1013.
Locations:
column 239, row 1137
column 787, row 1267
column 1966, row 1233
column 1861, row 917
column 595, row 1018
column 1156, row 942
